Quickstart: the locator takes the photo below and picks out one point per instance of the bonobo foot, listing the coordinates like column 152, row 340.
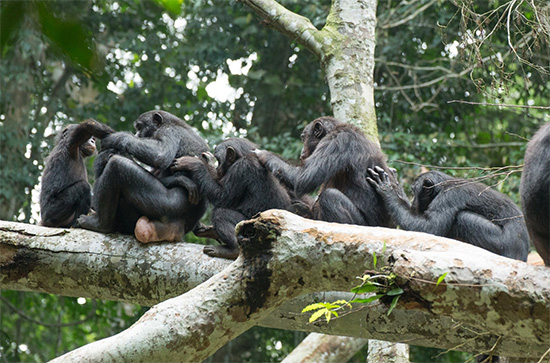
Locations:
column 154, row 231
column 91, row 222
column 221, row 251
column 205, row 231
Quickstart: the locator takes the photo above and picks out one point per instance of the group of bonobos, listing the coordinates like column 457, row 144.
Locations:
column 156, row 184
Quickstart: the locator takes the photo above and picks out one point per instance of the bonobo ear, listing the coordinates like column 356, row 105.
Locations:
column 319, row 130
column 157, row 118
column 230, row 154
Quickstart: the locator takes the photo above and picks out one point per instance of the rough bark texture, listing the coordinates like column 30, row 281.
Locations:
column 77, row 262
column 285, row 256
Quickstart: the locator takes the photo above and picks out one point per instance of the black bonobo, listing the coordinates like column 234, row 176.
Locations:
column 535, row 191
column 65, row 193
column 460, row 209
column 239, row 188
column 130, row 199
column 336, row 157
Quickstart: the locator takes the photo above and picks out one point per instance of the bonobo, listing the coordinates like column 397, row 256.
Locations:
column 535, row 191
column 128, row 198
column 460, row 209
column 65, row 193
column 336, row 157
column 239, row 188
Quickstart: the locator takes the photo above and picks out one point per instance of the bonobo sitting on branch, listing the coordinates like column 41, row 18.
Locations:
column 65, row 193
column 129, row 198
column 460, row 209
column 239, row 188
column 336, row 157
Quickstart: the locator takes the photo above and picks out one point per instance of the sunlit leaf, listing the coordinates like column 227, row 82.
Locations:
column 441, row 278
column 316, row 315
column 313, row 307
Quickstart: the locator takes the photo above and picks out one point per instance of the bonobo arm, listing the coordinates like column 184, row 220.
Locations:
column 86, row 129
column 157, row 152
column 437, row 222
column 283, row 171
column 226, row 192
column 335, row 153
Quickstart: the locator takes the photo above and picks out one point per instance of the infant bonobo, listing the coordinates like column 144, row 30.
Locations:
column 65, row 193
column 459, row 209
column 239, row 188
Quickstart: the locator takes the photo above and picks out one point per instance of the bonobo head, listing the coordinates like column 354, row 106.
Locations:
column 426, row 187
column 229, row 151
column 148, row 123
column 314, row 132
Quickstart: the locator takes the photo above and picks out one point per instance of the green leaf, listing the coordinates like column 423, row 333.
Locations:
column 368, row 300
column 384, row 248
column 314, row 307
column 364, row 289
column 374, row 260
column 393, row 303
column 441, row 278
column 316, row 315
column 394, row 292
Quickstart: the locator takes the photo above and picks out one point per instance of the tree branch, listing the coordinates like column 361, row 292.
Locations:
column 294, row 26
column 285, row 256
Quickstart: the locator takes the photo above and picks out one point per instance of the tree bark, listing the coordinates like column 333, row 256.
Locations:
column 325, row 348
column 284, row 256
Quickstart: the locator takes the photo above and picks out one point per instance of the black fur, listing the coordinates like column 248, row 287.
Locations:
column 65, row 192
column 336, row 157
column 464, row 210
column 535, row 191
column 239, row 188
column 124, row 191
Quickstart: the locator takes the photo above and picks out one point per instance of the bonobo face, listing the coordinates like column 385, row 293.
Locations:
column 88, row 148
column 147, row 124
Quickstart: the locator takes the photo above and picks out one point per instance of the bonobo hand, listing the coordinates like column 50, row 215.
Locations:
column 380, row 181
column 193, row 194
column 184, row 163
column 262, row 155
column 209, row 159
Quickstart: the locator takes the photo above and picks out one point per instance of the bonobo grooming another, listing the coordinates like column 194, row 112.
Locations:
column 239, row 188
column 336, row 157
column 460, row 209
column 535, row 191
column 65, row 192
column 128, row 198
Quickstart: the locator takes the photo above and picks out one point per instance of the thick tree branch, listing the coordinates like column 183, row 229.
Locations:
column 484, row 296
column 294, row 26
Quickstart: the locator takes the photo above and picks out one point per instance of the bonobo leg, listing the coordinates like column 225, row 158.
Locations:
column 224, row 221
column 67, row 206
column 334, row 206
column 142, row 190
column 477, row 230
